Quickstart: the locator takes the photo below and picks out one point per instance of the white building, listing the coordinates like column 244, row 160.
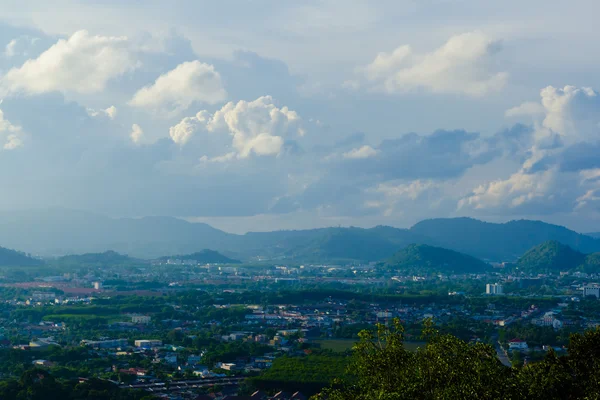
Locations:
column 147, row 344
column 43, row 296
column 141, row 319
column 517, row 344
column 591, row 291
column 494, row 289
column 97, row 285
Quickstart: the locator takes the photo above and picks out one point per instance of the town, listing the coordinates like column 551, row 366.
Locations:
column 179, row 329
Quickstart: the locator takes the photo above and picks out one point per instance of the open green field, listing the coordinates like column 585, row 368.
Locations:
column 341, row 345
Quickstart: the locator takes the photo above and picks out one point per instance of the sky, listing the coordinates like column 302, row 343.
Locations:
column 257, row 115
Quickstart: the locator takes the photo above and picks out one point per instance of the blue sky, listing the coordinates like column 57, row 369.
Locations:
column 260, row 115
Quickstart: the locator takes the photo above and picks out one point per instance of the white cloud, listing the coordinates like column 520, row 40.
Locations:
column 519, row 189
column 179, row 88
column 257, row 127
column 529, row 108
column 361, row 152
column 10, row 134
column 461, row 65
column 572, row 113
column 110, row 112
column 136, row 134
column 82, row 64
column 10, row 49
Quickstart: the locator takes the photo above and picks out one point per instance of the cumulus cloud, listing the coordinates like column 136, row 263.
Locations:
column 83, row 63
column 462, row 65
column 136, row 134
column 110, row 112
column 257, row 127
column 9, row 134
column 564, row 148
column 520, row 189
column 179, row 88
column 361, row 152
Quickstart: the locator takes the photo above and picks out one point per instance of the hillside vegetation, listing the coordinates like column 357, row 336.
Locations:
column 12, row 258
column 420, row 256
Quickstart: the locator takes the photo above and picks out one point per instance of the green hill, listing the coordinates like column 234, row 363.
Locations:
column 204, row 257
column 436, row 259
column 550, row 256
column 108, row 258
column 13, row 258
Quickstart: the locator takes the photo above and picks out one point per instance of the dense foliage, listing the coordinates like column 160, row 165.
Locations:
column 38, row 384
column 552, row 256
column 14, row 258
column 307, row 374
column 107, row 258
column 450, row 368
column 435, row 259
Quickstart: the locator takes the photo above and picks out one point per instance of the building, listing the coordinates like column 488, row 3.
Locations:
column 97, row 285
column 43, row 296
column 494, row 289
column 517, row 344
column 591, row 291
column 141, row 319
column 147, row 344
column 105, row 344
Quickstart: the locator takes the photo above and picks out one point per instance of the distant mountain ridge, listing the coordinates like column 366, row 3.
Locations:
column 59, row 232
column 500, row 241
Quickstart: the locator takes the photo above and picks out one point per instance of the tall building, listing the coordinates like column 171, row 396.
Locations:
column 494, row 289
column 591, row 291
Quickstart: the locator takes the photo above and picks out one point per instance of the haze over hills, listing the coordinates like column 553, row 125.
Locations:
column 500, row 241
column 60, row 232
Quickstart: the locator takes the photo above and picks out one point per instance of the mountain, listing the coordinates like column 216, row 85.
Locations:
column 108, row 258
column 500, row 242
column 436, row 259
column 205, row 257
column 595, row 235
column 551, row 256
column 57, row 232
column 12, row 258
column 592, row 263
column 347, row 244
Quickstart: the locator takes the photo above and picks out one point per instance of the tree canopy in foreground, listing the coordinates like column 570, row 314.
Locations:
column 449, row 368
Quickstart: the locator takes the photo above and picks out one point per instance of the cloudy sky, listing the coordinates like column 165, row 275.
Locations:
column 261, row 114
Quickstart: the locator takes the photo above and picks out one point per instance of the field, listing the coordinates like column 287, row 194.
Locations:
column 341, row 345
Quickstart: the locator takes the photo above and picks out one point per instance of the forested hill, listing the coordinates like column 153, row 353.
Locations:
column 500, row 241
column 435, row 259
column 553, row 256
column 96, row 259
column 12, row 258
column 204, row 257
